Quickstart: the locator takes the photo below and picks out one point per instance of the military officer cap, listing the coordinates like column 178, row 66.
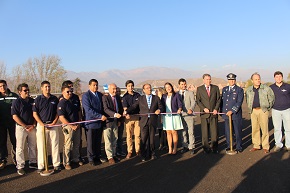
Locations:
column 231, row 76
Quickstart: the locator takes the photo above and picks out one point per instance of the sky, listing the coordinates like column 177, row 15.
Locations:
column 101, row 35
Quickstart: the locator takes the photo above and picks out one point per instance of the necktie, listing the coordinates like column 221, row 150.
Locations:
column 182, row 95
column 149, row 101
column 114, row 102
column 207, row 90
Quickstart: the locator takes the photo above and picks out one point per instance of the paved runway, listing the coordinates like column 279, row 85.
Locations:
column 247, row 172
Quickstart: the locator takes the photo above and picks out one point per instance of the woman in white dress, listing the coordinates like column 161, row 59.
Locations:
column 172, row 120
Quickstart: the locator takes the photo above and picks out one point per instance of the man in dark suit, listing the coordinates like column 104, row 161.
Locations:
column 208, row 99
column 149, row 105
column 113, row 110
column 93, row 109
column 231, row 104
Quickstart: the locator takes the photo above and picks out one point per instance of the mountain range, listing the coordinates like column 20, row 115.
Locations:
column 160, row 74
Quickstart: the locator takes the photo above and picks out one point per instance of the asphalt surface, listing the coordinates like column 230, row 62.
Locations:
column 246, row 172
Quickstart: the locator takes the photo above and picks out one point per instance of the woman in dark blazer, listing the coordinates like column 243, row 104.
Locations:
column 172, row 121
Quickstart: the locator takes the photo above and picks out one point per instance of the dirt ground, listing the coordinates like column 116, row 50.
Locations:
column 246, row 172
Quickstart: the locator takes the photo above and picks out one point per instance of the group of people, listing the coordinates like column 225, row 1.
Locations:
column 107, row 114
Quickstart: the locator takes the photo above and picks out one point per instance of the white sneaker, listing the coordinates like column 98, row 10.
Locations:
column 21, row 172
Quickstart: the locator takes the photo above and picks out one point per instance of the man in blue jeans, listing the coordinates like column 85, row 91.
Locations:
column 281, row 111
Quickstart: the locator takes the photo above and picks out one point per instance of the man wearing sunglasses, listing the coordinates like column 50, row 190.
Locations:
column 6, row 123
column 76, row 101
column 68, row 112
column 21, row 112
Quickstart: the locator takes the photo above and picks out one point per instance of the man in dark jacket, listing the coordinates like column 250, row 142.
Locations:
column 150, row 106
column 6, row 123
column 93, row 109
column 208, row 99
column 113, row 110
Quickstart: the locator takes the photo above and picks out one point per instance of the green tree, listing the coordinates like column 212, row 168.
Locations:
column 77, row 86
column 249, row 83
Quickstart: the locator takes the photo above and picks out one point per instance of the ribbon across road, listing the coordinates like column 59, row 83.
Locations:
column 145, row 114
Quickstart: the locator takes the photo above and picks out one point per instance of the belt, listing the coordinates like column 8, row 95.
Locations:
column 257, row 108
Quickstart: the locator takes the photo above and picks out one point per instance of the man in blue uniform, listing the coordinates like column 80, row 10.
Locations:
column 68, row 112
column 232, row 99
column 45, row 113
column 21, row 112
column 76, row 101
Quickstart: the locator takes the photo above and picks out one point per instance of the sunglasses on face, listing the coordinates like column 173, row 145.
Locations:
column 26, row 90
column 69, row 91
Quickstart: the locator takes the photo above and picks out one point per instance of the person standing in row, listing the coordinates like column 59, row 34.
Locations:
column 6, row 123
column 260, row 99
column 131, row 122
column 172, row 121
column 113, row 110
column 231, row 105
column 188, row 105
column 163, row 144
column 45, row 113
column 119, row 148
column 76, row 101
column 93, row 109
column 208, row 99
column 21, row 112
column 151, row 106
column 68, row 112
column 281, row 111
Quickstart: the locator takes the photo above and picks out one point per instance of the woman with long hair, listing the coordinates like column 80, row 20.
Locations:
column 172, row 120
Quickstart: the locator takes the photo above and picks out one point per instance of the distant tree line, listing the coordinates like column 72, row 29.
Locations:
column 34, row 71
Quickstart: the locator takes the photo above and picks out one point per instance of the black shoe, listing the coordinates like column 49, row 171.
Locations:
column 103, row 160
column 117, row 159
column 207, row 150
column 215, row 151
column 39, row 170
column 239, row 150
column 121, row 154
column 33, row 165
column 57, row 168
column 185, row 149
column 92, row 163
column 153, row 157
column 227, row 149
column 192, row 151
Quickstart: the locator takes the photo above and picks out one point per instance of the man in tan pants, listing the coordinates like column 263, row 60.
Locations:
column 260, row 99
column 131, row 122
